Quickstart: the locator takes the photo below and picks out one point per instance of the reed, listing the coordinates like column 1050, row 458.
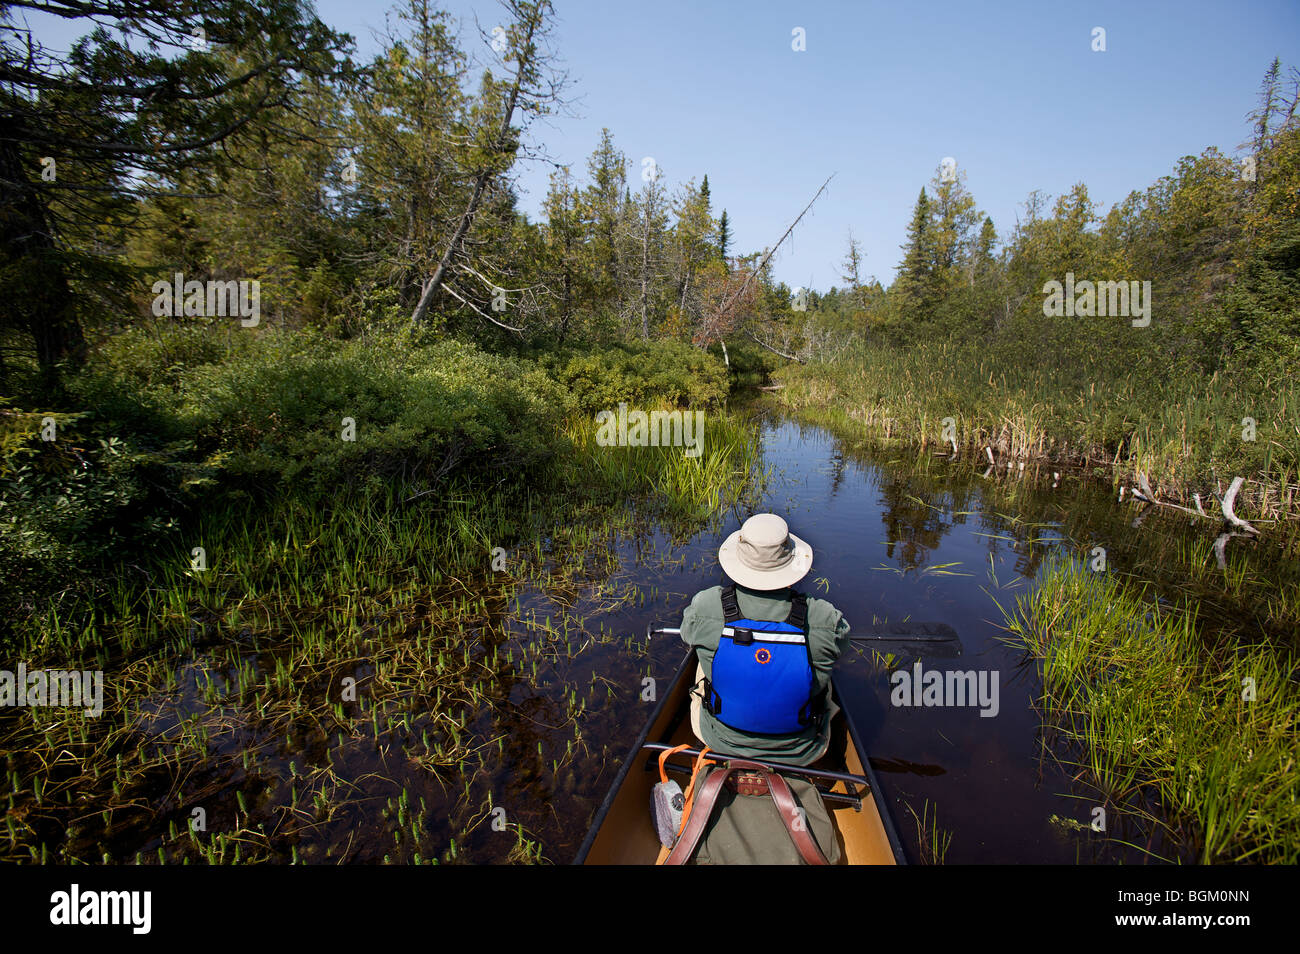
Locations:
column 1207, row 731
column 1183, row 430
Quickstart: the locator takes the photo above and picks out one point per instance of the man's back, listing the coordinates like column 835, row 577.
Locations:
column 827, row 636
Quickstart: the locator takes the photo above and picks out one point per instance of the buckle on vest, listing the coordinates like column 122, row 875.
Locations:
column 741, row 637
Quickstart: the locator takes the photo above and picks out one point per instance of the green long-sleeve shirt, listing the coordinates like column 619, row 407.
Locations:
column 828, row 636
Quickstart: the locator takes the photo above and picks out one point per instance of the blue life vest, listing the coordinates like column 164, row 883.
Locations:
column 762, row 680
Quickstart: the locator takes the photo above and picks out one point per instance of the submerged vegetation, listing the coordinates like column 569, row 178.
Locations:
column 355, row 563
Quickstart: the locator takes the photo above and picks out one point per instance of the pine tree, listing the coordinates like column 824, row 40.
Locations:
column 982, row 262
column 129, row 108
column 915, row 285
column 692, row 241
column 648, row 218
column 724, row 236
column 563, row 252
column 605, row 203
column 403, row 153
column 954, row 220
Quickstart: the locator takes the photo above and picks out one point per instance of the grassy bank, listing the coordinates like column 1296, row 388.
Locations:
column 1183, row 430
column 385, row 640
column 1157, row 715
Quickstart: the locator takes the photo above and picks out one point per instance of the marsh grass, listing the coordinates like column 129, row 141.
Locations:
column 932, row 841
column 1184, row 431
column 351, row 679
column 1207, row 732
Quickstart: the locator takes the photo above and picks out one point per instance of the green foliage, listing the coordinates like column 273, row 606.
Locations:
column 421, row 411
column 68, row 502
column 1155, row 710
column 640, row 374
column 129, row 106
column 750, row 365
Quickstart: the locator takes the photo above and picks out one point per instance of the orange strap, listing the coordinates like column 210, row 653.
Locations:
column 700, row 762
column 663, row 757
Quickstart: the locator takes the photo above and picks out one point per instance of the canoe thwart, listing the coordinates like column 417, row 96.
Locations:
column 850, row 799
column 827, row 774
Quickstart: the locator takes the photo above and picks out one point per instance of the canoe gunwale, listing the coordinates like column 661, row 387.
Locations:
column 612, row 795
column 813, row 775
column 886, row 816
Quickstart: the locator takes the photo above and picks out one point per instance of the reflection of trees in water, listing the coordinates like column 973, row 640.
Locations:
column 1236, row 581
column 913, row 525
column 1027, row 540
column 918, row 508
column 838, row 468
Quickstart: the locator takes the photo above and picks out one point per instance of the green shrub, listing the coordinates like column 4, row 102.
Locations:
column 639, row 374
column 67, row 503
column 418, row 412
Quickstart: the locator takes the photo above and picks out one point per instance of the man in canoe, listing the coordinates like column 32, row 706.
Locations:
column 765, row 651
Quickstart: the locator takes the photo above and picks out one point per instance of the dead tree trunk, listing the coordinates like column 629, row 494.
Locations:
column 499, row 146
column 48, row 309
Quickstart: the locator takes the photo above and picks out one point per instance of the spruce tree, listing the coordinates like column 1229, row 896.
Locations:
column 914, row 286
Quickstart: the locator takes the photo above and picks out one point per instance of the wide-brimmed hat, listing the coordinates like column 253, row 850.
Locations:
column 764, row 555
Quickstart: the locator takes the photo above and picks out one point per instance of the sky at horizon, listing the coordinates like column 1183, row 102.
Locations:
column 880, row 95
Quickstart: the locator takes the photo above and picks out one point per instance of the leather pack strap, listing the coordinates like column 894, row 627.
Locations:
column 788, row 809
column 707, row 797
column 698, row 819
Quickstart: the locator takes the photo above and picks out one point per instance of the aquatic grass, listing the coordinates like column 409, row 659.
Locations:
column 224, row 686
column 932, row 841
column 1181, row 430
column 1208, row 731
column 691, row 488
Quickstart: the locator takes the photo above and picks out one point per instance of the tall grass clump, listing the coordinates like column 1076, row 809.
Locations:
column 1184, row 429
column 1208, row 730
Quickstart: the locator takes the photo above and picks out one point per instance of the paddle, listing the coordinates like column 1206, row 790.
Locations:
column 937, row 639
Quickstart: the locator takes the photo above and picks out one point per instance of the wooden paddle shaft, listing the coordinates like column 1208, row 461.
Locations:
column 944, row 633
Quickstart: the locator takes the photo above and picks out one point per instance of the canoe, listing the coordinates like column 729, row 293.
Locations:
column 623, row 832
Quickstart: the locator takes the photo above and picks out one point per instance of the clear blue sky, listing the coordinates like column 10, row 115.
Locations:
column 885, row 90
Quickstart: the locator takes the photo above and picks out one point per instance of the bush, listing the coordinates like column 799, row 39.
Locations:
column 418, row 412
column 69, row 502
column 639, row 374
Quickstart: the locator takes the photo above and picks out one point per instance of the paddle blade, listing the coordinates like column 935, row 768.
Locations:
column 935, row 640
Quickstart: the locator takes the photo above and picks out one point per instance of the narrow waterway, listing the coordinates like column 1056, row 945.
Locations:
column 911, row 536
column 496, row 738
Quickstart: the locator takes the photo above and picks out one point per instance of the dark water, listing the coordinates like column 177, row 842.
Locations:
column 924, row 539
